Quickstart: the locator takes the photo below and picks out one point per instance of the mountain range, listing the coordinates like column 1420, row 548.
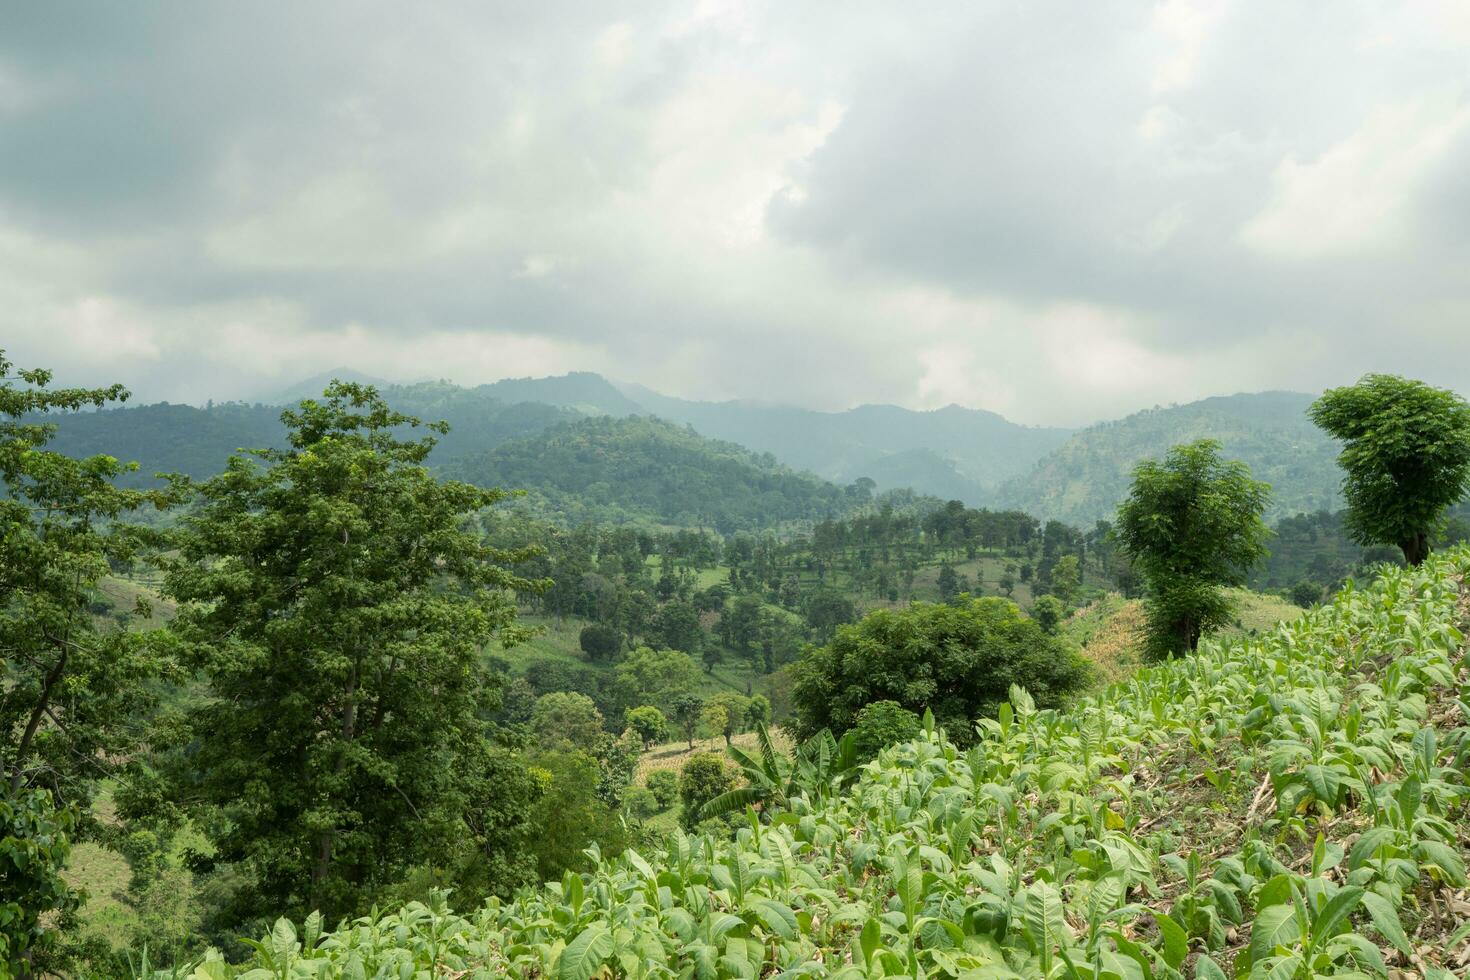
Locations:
column 952, row 453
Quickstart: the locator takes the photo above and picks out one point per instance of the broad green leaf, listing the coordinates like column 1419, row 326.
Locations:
column 777, row 917
column 583, row 955
column 1176, row 941
column 1275, row 925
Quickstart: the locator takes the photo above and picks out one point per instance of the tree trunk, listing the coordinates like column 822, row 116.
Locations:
column 44, row 699
column 1415, row 548
column 326, row 841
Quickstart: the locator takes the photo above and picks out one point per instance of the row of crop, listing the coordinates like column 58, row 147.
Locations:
column 1052, row 848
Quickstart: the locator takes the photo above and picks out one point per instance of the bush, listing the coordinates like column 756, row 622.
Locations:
column 881, row 724
column 640, row 803
column 703, row 777
column 957, row 660
column 664, row 785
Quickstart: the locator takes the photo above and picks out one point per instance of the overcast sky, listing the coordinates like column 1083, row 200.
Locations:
column 1058, row 211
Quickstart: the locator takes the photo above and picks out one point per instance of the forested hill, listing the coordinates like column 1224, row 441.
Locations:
column 948, row 452
column 166, row 438
column 642, row 467
column 1083, row 480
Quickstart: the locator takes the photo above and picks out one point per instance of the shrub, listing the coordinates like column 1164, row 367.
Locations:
column 881, row 724
column 957, row 660
column 640, row 803
column 703, row 777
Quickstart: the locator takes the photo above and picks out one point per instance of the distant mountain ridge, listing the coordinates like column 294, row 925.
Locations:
column 1084, row 479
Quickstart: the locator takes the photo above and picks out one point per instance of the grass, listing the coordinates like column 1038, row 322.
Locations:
column 1110, row 630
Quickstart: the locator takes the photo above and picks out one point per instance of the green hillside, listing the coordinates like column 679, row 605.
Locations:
column 166, row 438
column 1083, row 480
column 1276, row 806
column 656, row 470
column 949, row 452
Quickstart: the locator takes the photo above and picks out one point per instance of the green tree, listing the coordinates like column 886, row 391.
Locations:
column 570, row 815
column 566, row 717
column 1406, row 456
column 735, row 707
column 649, row 722
column 677, row 626
column 71, row 686
column 687, row 711
column 826, row 610
column 600, row 641
column 34, row 897
column 949, row 582
column 704, row 777
column 664, row 785
column 758, row 711
column 957, row 660
column 1066, row 579
column 1191, row 524
column 1048, row 611
column 649, row 676
column 336, row 607
column 881, row 724
column 1306, row 594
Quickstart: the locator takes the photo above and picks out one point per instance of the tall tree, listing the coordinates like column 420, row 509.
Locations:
column 1406, row 455
column 68, row 686
column 1192, row 524
column 337, row 606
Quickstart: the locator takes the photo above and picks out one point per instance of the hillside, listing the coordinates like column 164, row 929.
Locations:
column 964, row 450
column 652, row 469
column 166, row 438
column 1084, row 479
column 1163, row 828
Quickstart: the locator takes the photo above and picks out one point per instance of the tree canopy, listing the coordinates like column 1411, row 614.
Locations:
column 1405, row 455
column 1191, row 524
column 958, row 661
column 336, row 606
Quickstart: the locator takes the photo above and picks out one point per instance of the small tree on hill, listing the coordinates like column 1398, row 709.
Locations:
column 600, row 641
column 649, row 723
column 1406, row 455
column 1192, row 524
column 687, row 710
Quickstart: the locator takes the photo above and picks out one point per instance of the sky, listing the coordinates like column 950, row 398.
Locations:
column 1061, row 212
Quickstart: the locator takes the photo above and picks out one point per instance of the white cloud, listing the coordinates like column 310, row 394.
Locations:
column 1358, row 194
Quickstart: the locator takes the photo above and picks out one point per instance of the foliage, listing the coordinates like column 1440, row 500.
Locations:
column 664, row 785
column 957, row 661
column 881, row 724
column 1406, row 456
column 335, row 605
column 703, row 777
column 33, row 849
column 1038, row 853
column 657, row 677
column 600, row 641
column 1191, row 524
column 687, row 712
column 565, row 717
column 1048, row 612
column 654, row 469
column 649, row 723
column 570, row 815
column 70, row 686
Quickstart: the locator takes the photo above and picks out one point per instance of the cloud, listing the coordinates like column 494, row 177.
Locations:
column 1057, row 211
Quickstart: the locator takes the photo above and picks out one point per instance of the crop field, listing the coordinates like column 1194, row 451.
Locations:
column 1285, row 805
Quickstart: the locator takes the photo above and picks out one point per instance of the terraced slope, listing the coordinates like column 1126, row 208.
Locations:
column 1289, row 805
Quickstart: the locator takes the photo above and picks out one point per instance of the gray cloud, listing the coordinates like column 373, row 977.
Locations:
column 1057, row 211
